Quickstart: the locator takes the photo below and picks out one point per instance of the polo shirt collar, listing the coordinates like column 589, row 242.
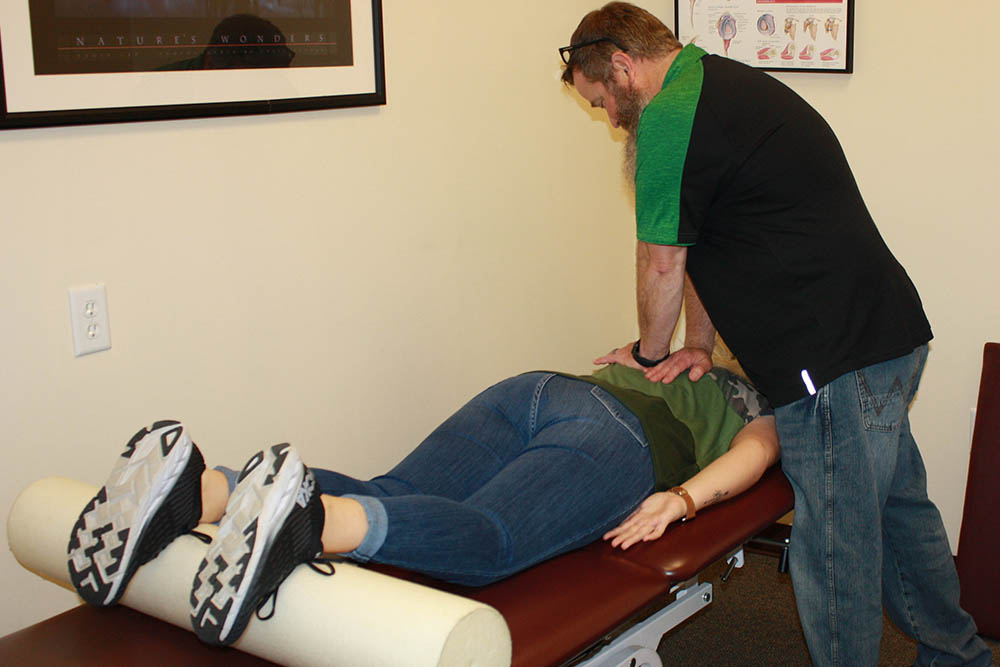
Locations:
column 689, row 55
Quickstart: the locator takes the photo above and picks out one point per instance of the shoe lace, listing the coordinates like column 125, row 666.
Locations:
column 322, row 565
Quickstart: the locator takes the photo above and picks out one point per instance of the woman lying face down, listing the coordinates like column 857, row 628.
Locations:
column 532, row 467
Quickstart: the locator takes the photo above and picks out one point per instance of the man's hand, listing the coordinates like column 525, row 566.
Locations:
column 649, row 520
column 698, row 360
column 621, row 356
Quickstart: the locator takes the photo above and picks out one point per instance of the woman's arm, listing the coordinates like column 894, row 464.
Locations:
column 752, row 451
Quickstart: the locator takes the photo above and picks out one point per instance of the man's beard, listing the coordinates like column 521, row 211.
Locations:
column 629, row 160
column 630, row 106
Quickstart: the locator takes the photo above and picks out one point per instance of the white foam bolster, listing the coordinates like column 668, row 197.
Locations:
column 356, row 617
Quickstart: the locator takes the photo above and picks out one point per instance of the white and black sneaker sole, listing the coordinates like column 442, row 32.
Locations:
column 229, row 582
column 130, row 520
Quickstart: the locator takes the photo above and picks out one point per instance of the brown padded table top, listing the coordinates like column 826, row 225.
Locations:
column 575, row 599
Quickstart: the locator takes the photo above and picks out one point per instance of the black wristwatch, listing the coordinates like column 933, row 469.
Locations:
column 643, row 361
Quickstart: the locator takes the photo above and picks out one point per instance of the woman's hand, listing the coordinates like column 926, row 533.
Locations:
column 649, row 520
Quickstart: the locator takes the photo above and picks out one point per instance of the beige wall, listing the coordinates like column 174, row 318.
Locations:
column 291, row 277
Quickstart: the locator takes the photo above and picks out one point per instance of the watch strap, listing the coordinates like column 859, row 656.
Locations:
column 688, row 500
column 643, row 361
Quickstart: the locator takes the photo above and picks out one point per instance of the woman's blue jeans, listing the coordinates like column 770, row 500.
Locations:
column 534, row 466
column 865, row 534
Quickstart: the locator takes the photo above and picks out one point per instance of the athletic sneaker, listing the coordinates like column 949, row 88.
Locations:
column 152, row 496
column 273, row 522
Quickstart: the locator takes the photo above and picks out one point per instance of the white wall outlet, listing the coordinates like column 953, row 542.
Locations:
column 88, row 313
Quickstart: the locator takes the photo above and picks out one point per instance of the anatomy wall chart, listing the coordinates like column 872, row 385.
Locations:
column 800, row 35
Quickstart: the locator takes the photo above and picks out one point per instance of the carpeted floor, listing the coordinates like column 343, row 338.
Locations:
column 753, row 621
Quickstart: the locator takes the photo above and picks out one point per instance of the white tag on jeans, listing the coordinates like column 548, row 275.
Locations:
column 808, row 382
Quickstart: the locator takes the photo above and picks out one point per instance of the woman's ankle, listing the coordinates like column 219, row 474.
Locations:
column 345, row 524
column 214, row 495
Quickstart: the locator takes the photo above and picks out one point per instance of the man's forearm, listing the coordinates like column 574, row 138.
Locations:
column 698, row 328
column 659, row 291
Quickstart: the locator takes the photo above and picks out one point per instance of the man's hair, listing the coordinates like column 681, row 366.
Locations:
column 622, row 26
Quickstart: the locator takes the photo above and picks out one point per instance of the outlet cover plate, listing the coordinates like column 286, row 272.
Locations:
column 88, row 309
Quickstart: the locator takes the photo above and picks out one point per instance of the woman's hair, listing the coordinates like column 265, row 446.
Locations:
column 619, row 26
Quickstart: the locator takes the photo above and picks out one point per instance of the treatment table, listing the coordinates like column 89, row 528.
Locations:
column 594, row 607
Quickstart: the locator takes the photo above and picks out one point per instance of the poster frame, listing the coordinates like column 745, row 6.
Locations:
column 155, row 96
column 766, row 55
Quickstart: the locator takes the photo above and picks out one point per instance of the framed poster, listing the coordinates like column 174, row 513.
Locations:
column 68, row 62
column 777, row 35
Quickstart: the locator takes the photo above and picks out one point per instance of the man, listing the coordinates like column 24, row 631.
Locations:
column 742, row 186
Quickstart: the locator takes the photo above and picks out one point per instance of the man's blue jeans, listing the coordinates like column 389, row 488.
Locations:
column 865, row 534
column 534, row 466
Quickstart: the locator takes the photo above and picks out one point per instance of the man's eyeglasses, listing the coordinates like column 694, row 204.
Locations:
column 566, row 52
